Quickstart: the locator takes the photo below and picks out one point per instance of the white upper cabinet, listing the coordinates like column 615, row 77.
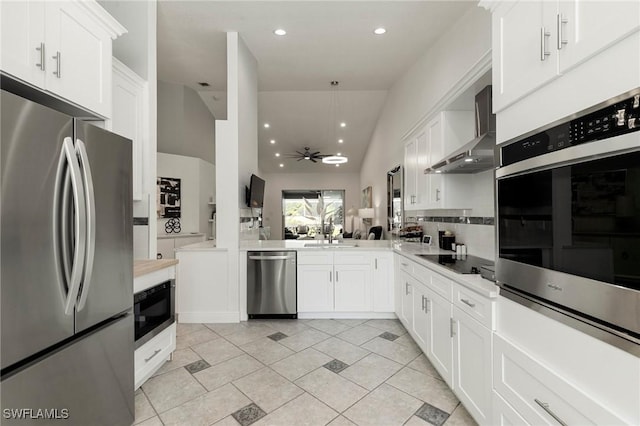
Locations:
column 589, row 27
column 23, row 48
column 535, row 42
column 68, row 44
column 129, row 115
column 410, row 174
column 523, row 54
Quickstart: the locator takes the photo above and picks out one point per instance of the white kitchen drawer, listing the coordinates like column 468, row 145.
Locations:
column 536, row 392
column 406, row 265
column 475, row 305
column 342, row 257
column 440, row 284
column 150, row 356
column 321, row 257
column 504, row 414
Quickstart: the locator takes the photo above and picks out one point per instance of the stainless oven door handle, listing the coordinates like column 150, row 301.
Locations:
column 269, row 257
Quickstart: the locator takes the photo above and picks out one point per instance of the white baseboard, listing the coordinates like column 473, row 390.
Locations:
column 346, row 315
column 209, row 317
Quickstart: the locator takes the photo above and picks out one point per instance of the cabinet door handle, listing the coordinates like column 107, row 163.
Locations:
column 406, row 288
column 376, row 262
column 42, row 57
column 57, row 72
column 437, row 195
column 453, row 327
column 466, row 302
column 330, row 277
column 426, row 305
column 543, row 44
column 404, row 264
column 561, row 21
column 423, row 303
column 545, row 407
column 336, row 276
column 157, row 351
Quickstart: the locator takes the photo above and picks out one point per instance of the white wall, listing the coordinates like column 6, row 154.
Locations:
column 196, row 186
column 137, row 50
column 415, row 95
column 185, row 124
column 276, row 182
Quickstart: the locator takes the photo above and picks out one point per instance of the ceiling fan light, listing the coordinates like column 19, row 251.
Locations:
column 335, row 159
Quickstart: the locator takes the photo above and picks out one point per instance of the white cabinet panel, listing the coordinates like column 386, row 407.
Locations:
column 410, row 174
column 352, row 288
column 315, row 288
column 519, row 38
column 421, row 320
column 440, row 348
column 383, row 288
column 504, row 414
column 539, row 395
column 591, row 26
column 472, row 365
column 406, row 298
column 23, row 41
column 128, row 117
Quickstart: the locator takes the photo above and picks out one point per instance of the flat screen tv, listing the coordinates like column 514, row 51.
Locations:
column 255, row 194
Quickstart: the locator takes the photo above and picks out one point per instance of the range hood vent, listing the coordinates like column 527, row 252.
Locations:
column 476, row 155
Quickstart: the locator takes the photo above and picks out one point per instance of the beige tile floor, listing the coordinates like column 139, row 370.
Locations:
column 297, row 372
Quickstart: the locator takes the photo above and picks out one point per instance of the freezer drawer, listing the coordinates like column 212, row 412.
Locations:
column 90, row 382
column 271, row 284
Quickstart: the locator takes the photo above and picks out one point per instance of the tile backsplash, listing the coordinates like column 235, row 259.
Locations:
column 479, row 239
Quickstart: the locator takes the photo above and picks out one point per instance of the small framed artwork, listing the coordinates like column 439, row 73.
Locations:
column 168, row 197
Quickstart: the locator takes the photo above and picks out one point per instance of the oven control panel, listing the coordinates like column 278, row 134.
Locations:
column 617, row 118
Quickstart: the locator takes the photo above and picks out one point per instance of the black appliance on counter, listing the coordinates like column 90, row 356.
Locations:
column 568, row 221
column 462, row 264
column 154, row 310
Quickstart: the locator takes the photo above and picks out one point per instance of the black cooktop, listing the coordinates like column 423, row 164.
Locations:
column 462, row 264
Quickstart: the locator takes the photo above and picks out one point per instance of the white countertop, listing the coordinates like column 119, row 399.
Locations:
column 311, row 244
column 208, row 245
column 185, row 235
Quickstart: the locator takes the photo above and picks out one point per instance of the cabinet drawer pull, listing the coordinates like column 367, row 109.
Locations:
column 157, row 351
column 57, row 72
column 545, row 407
column 466, row 302
column 42, row 57
column 543, row 44
column 561, row 21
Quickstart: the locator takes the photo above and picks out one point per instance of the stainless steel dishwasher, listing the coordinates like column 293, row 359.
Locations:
column 271, row 284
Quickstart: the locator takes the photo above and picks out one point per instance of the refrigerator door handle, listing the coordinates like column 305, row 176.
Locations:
column 90, row 210
column 80, row 225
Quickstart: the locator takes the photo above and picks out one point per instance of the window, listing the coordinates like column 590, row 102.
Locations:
column 300, row 216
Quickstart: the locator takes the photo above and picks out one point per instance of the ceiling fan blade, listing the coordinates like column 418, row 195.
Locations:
column 315, row 153
column 312, row 159
column 300, row 153
column 300, row 159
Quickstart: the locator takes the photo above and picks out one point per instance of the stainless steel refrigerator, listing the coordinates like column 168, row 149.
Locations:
column 66, row 269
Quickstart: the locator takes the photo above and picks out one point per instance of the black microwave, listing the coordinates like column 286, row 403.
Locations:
column 154, row 311
column 568, row 220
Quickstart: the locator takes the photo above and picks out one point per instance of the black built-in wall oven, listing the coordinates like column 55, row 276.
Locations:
column 568, row 221
column 154, row 310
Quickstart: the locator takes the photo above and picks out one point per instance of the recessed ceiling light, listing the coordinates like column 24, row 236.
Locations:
column 343, row 124
column 272, row 141
column 280, row 32
column 468, row 160
column 337, row 165
column 340, row 140
column 335, row 159
column 266, row 125
column 438, row 171
column 277, row 154
column 338, row 154
column 379, row 31
column 281, row 165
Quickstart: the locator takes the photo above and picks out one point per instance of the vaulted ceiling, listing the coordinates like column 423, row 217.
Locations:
column 325, row 41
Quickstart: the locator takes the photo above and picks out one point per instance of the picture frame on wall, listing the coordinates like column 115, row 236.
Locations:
column 168, row 197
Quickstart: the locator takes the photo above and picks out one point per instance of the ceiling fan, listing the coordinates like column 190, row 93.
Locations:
column 307, row 155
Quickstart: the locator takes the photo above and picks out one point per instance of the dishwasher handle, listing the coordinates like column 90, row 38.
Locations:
column 270, row 257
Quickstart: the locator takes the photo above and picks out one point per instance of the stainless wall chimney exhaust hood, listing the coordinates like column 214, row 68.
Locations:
column 478, row 154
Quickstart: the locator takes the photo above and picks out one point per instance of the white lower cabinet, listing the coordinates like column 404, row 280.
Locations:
column 503, row 413
column 442, row 317
column 345, row 282
column 541, row 396
column 472, row 364
column 149, row 357
column 315, row 288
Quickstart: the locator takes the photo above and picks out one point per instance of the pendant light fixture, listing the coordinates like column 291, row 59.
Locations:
column 334, row 104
